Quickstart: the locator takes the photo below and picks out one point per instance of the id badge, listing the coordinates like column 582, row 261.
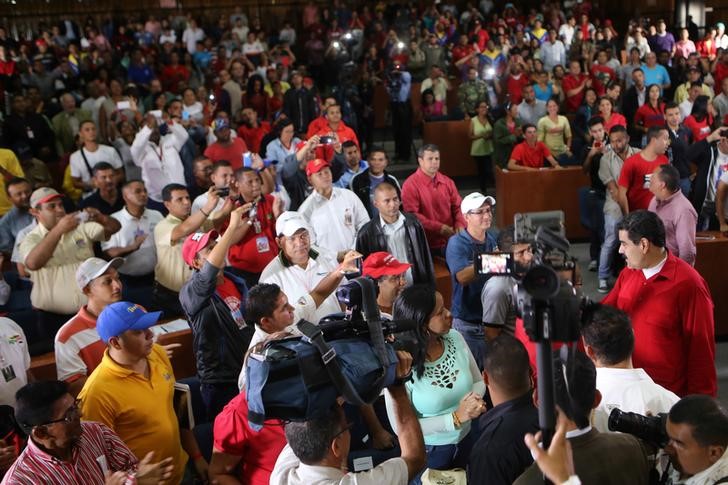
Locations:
column 257, row 226
column 9, row 373
column 261, row 243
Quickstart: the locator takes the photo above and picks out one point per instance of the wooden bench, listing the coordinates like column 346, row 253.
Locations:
column 545, row 190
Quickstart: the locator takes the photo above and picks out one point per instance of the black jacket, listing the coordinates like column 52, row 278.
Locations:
column 300, row 106
column 705, row 156
column 361, row 184
column 218, row 343
column 630, row 105
column 371, row 239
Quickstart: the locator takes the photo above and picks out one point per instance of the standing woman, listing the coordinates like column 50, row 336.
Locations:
column 651, row 113
column 506, row 132
column 447, row 388
column 555, row 132
column 481, row 145
column 611, row 118
column 587, row 109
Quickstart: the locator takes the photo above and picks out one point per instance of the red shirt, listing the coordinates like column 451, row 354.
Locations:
column 515, row 86
column 257, row 249
column 461, row 51
column 530, row 156
column 258, row 450
column 253, row 136
column 344, row 133
column 172, row 75
column 602, row 75
column 672, row 317
column 435, row 201
column 635, row 177
column 570, row 82
column 648, row 116
column 720, row 73
column 233, row 152
column 700, row 129
column 614, row 120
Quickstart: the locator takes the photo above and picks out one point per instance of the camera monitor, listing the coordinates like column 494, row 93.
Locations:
column 491, row 264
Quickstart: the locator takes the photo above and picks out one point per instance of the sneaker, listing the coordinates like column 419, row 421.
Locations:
column 603, row 286
column 593, row 265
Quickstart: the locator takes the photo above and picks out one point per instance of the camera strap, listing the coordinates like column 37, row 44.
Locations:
column 312, row 334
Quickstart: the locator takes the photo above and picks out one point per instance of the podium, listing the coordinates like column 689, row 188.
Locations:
column 710, row 262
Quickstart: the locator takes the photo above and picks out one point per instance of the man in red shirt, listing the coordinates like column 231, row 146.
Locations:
column 670, row 307
column 252, row 130
column 319, row 123
column 602, row 73
column 517, row 79
column 335, row 126
column 530, row 153
column 434, row 199
column 720, row 72
column 226, row 147
column 574, row 85
column 634, row 180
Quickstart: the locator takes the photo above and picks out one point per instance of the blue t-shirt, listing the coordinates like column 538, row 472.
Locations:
column 656, row 75
column 460, row 253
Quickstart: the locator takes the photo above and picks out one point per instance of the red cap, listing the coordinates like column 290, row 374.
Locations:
column 315, row 166
column 41, row 42
column 194, row 243
column 381, row 264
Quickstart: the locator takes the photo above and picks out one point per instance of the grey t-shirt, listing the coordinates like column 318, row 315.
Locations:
column 499, row 303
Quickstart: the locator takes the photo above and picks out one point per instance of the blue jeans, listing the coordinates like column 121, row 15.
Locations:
column 567, row 160
column 474, row 336
column 610, row 242
column 685, row 186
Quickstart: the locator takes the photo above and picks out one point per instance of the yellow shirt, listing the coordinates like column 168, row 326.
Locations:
column 54, row 285
column 139, row 409
column 171, row 270
column 9, row 162
column 556, row 142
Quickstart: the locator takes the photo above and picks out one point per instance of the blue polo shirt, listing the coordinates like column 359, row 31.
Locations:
column 460, row 253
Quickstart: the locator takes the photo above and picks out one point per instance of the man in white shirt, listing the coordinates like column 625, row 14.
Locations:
column 221, row 176
column 336, row 214
column 609, row 342
column 192, row 35
column 553, row 52
column 83, row 160
column 686, row 107
column 566, row 31
column 318, row 448
column 133, row 241
column 299, row 268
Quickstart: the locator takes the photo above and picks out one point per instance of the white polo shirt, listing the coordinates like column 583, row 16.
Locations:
column 142, row 261
column 335, row 221
column 297, row 282
column 103, row 153
column 630, row 390
column 160, row 166
column 201, row 200
column 14, row 360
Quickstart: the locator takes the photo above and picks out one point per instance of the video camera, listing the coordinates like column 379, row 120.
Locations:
column 650, row 429
column 349, row 355
column 393, row 80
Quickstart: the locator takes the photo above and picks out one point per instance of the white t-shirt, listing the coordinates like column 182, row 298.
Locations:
column 103, row 153
column 190, row 38
column 142, row 261
column 14, row 360
column 290, row 471
column 630, row 390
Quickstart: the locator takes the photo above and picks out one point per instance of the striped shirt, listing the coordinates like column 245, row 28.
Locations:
column 78, row 347
column 98, row 450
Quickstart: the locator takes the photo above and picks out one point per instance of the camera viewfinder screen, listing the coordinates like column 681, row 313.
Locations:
column 495, row 263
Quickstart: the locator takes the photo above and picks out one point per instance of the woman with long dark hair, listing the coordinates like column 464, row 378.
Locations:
column 446, row 388
column 651, row 113
column 700, row 120
column 587, row 109
column 255, row 96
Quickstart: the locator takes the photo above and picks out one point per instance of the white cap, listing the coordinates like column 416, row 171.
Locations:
column 92, row 268
column 475, row 201
column 289, row 222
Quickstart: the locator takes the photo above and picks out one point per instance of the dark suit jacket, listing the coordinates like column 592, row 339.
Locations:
column 602, row 459
column 630, row 105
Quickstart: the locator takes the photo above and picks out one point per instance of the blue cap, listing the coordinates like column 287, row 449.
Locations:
column 121, row 316
column 221, row 123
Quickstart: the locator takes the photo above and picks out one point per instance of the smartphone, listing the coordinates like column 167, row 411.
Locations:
column 82, row 216
column 223, row 192
column 724, row 133
column 123, row 105
column 326, row 140
column 494, row 264
column 185, row 115
column 253, row 212
column 247, row 159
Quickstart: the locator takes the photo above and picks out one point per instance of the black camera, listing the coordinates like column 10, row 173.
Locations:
column 223, row 192
column 650, row 429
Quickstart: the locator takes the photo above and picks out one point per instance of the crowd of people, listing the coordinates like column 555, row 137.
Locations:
column 224, row 173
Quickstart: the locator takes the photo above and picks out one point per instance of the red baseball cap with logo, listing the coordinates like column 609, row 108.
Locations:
column 195, row 243
column 381, row 264
column 315, row 166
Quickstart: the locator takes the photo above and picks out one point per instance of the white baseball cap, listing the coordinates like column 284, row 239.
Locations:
column 92, row 268
column 475, row 201
column 289, row 222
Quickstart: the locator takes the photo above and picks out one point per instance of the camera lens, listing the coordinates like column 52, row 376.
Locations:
column 541, row 282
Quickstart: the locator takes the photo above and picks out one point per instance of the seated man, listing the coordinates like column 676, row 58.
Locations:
column 335, row 214
column 221, row 176
column 397, row 233
column 676, row 212
column 500, row 453
column 132, row 388
column 530, row 154
column 317, row 448
column 214, row 302
column 106, row 198
column 698, row 430
column 78, row 348
column 609, row 343
column 607, row 458
column 54, row 250
column 366, row 181
column 135, row 241
column 467, row 310
column 389, row 274
column 299, row 267
column 19, row 216
column 60, row 446
column 434, row 199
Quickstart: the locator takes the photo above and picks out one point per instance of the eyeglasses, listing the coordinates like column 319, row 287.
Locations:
column 343, row 430
column 69, row 416
column 394, row 278
column 479, row 212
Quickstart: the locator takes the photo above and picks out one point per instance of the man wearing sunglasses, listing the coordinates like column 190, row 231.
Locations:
column 61, row 449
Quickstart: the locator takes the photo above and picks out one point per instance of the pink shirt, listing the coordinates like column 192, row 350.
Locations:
column 680, row 220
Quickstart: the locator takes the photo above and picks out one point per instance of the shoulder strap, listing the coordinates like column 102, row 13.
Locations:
column 88, row 166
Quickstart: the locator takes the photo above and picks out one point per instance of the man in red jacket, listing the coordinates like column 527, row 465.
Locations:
column 670, row 307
